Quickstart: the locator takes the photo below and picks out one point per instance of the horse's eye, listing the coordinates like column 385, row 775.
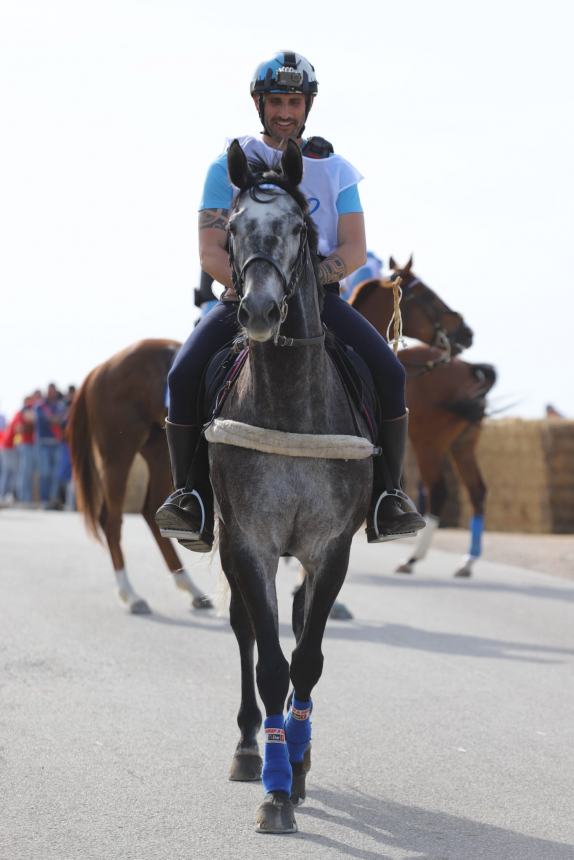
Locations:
column 232, row 228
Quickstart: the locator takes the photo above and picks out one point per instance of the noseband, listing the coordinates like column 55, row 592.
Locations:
column 289, row 286
column 441, row 339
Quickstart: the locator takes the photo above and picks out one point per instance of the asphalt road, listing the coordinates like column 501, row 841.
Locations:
column 443, row 724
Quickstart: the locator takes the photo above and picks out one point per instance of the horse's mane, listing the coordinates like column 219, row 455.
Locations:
column 363, row 290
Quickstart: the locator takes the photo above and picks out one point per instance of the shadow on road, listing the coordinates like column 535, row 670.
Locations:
column 404, row 636
column 431, row 835
column 557, row 592
column 399, row 636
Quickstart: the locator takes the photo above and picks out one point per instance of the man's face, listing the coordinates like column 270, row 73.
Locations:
column 284, row 115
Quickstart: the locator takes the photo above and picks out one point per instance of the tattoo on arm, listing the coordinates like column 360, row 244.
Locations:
column 331, row 270
column 213, row 219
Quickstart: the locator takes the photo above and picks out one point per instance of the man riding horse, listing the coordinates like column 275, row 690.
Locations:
column 283, row 90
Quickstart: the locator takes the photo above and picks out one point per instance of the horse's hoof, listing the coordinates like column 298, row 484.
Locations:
column 463, row 573
column 276, row 814
column 339, row 612
column 140, row 607
column 298, row 790
column 246, row 767
column 201, row 603
column 404, row 568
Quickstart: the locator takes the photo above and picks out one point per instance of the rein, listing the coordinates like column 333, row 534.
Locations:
column 440, row 340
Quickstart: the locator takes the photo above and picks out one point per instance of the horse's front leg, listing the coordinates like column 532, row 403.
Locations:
column 322, row 585
column 247, row 764
column 254, row 576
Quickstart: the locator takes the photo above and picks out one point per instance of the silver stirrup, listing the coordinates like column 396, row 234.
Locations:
column 181, row 534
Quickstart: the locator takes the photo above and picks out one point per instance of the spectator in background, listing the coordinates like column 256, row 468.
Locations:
column 67, row 489
column 25, row 421
column 50, row 416
column 7, row 464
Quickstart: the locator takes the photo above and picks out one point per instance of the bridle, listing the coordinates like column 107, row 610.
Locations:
column 441, row 339
column 289, row 281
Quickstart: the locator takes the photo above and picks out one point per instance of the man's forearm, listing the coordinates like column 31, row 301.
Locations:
column 339, row 264
column 215, row 262
column 213, row 256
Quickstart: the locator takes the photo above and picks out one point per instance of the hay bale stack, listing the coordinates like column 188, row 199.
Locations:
column 528, row 467
column 559, row 444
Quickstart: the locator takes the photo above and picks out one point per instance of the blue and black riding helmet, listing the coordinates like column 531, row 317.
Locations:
column 286, row 72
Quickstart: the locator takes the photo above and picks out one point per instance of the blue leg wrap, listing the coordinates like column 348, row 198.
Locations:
column 476, row 530
column 277, row 774
column 298, row 728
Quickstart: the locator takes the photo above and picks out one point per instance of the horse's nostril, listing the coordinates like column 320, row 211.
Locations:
column 273, row 313
column 258, row 312
column 242, row 314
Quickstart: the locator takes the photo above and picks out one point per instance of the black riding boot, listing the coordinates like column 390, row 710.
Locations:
column 187, row 514
column 392, row 514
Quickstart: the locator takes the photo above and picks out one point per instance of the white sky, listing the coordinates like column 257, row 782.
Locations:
column 460, row 116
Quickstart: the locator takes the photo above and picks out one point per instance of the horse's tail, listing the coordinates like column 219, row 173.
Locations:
column 473, row 406
column 87, row 480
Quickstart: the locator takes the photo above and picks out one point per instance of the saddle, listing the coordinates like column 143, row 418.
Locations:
column 224, row 368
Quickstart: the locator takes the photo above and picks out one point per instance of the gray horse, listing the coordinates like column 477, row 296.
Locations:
column 287, row 500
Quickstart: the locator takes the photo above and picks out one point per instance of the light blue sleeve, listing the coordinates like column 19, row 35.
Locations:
column 217, row 190
column 349, row 201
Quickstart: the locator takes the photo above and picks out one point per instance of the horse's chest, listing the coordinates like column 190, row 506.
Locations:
column 271, row 492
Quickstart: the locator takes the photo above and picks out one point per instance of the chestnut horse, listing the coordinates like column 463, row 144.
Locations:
column 445, row 395
column 119, row 412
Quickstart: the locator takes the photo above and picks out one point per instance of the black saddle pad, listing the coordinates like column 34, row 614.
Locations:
column 358, row 381
column 216, row 375
column 355, row 375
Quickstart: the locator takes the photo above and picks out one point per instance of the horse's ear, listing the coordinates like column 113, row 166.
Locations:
column 392, row 264
column 237, row 166
column 409, row 265
column 292, row 163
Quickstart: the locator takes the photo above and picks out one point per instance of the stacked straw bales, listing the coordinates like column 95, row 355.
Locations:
column 528, row 468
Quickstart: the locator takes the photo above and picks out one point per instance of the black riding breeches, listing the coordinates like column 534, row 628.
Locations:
column 388, row 373
column 220, row 326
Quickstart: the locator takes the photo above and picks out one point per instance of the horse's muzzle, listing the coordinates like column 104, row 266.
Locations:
column 259, row 316
column 463, row 336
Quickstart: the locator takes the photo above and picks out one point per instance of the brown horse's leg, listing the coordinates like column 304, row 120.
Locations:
column 114, row 477
column 464, row 455
column 430, row 459
column 156, row 455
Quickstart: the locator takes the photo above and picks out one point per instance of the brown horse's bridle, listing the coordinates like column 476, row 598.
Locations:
column 441, row 339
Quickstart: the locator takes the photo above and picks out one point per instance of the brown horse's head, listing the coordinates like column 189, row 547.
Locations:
column 429, row 318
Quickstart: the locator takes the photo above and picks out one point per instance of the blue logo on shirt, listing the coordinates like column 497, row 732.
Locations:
column 313, row 204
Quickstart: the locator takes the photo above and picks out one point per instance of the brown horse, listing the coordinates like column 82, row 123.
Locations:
column 446, row 397
column 118, row 412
